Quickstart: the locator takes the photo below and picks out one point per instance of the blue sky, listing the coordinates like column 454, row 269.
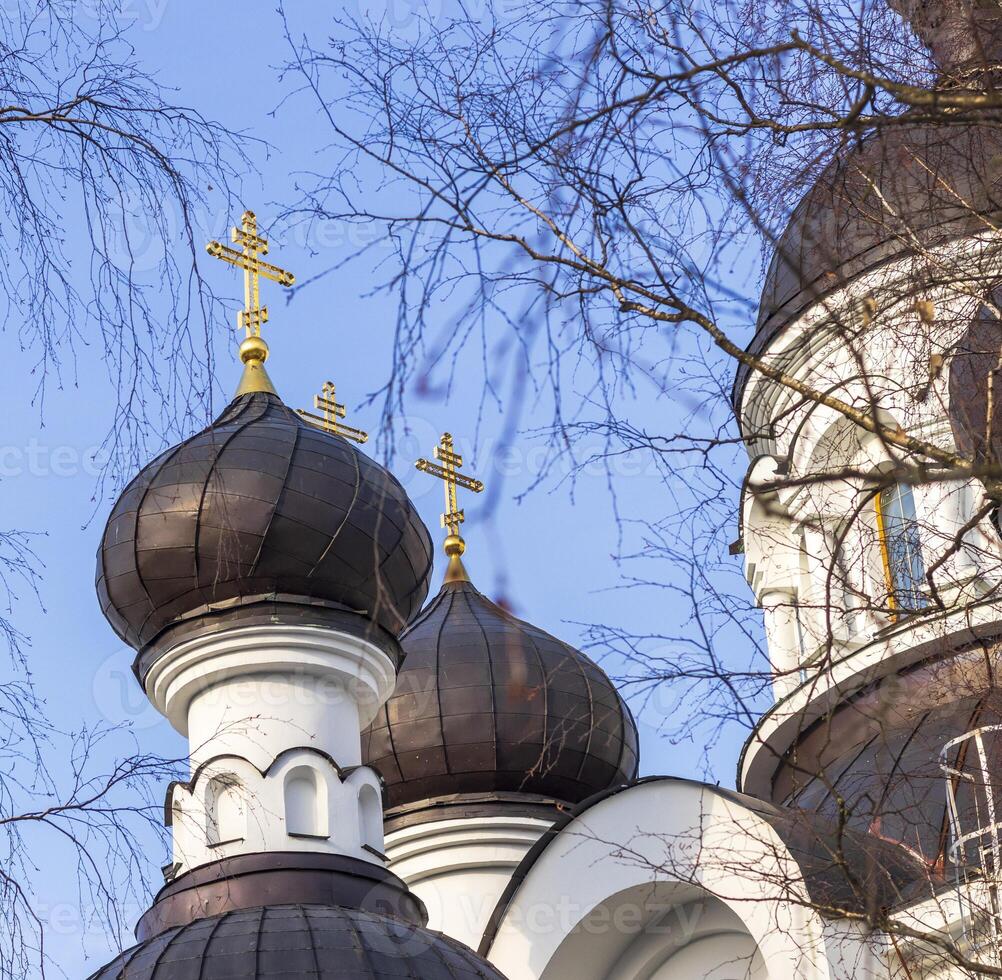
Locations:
column 548, row 552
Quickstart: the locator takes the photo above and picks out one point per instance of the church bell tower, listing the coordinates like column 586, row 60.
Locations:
column 874, row 547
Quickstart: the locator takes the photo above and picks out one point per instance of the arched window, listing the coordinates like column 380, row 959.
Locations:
column 370, row 815
column 900, row 547
column 225, row 811
column 305, row 803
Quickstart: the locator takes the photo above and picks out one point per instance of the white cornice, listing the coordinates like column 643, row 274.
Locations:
column 907, row 645
column 196, row 664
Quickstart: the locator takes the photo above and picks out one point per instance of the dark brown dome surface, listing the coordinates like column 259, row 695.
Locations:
column 905, row 190
column 261, row 508
column 486, row 703
column 937, row 183
column 873, row 764
column 283, row 942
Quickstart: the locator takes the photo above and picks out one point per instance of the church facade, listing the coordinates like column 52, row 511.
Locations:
column 384, row 786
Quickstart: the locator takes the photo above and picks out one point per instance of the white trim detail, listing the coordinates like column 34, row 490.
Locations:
column 460, row 867
column 632, row 876
column 909, row 644
column 194, row 665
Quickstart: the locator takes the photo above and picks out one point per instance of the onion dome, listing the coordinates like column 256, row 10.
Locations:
column 283, row 942
column 909, row 189
column 489, row 709
column 903, row 189
column 488, row 704
column 261, row 515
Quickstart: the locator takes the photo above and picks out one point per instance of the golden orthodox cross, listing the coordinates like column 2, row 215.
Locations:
column 447, row 469
column 248, row 258
column 326, row 402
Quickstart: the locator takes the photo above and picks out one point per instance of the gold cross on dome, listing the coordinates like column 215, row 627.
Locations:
column 248, row 258
column 447, row 469
column 326, row 403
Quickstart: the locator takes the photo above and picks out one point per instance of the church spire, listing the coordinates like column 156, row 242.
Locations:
column 447, row 470
column 254, row 349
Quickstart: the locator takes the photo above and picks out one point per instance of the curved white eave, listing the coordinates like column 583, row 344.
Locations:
column 908, row 644
column 196, row 664
column 621, row 841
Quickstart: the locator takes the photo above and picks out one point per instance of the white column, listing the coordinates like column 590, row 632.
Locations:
column 782, row 637
column 942, row 511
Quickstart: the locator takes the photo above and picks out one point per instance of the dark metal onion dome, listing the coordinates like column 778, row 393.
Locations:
column 898, row 194
column 285, row 942
column 261, row 513
column 488, row 704
column 904, row 189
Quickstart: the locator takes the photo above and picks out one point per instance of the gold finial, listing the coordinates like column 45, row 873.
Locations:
column 254, row 349
column 453, row 516
column 332, row 411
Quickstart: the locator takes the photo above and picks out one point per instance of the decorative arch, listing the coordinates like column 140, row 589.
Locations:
column 646, row 854
column 225, row 810
column 370, row 817
column 662, row 931
column 305, row 794
column 837, row 440
column 847, row 581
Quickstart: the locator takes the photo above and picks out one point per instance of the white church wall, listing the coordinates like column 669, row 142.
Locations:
column 883, row 355
column 256, row 691
column 275, row 750
column 225, row 808
column 907, row 643
column 302, row 802
column 944, row 914
column 305, row 803
column 460, row 867
column 699, row 938
column 370, row 812
column 618, row 885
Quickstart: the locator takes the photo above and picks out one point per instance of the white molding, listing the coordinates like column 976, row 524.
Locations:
column 256, row 702
column 907, row 645
column 438, row 848
column 194, row 665
column 459, row 867
column 655, row 847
